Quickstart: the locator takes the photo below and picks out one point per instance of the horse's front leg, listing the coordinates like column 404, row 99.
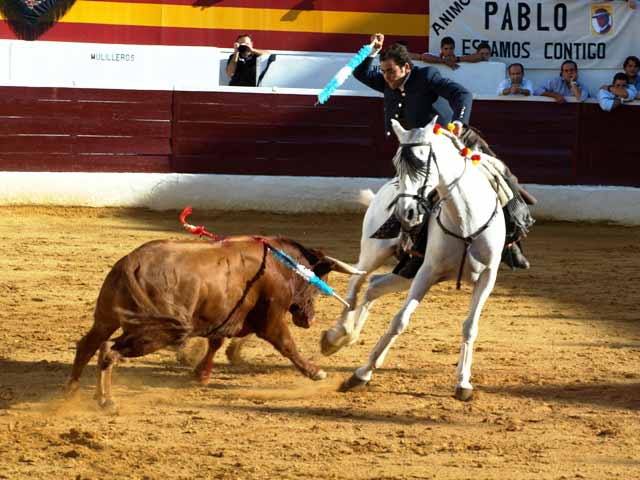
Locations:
column 373, row 254
column 419, row 288
column 481, row 291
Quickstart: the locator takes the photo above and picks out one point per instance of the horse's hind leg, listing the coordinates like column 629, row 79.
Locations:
column 372, row 256
column 481, row 291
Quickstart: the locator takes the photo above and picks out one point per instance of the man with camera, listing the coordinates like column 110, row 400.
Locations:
column 241, row 65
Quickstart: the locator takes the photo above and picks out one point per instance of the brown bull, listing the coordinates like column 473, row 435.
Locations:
column 167, row 291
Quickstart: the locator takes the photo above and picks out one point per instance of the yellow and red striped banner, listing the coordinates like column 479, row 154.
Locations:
column 329, row 25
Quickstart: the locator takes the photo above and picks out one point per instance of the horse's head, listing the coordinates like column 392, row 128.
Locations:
column 416, row 173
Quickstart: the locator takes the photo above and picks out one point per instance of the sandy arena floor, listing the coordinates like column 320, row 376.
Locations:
column 556, row 367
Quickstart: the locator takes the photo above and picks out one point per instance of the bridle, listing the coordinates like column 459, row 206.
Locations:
column 468, row 240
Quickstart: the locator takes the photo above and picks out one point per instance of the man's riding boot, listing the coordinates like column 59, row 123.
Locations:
column 513, row 256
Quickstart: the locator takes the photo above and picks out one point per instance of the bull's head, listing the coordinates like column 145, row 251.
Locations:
column 302, row 304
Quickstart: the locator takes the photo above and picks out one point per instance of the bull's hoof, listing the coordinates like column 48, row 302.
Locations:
column 71, row 389
column 463, row 394
column 234, row 353
column 353, row 384
column 327, row 347
column 319, row 375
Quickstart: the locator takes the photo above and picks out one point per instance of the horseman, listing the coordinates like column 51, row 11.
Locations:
column 409, row 96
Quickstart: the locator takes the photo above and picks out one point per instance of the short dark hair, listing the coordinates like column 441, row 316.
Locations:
column 447, row 41
column 396, row 52
column 516, row 65
column 568, row 62
column 631, row 58
column 483, row 45
column 620, row 76
column 243, row 35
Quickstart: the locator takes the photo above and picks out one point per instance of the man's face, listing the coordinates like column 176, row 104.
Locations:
column 485, row 54
column 393, row 73
column 620, row 83
column 246, row 41
column 515, row 75
column 447, row 51
column 631, row 69
column 569, row 72
column 602, row 20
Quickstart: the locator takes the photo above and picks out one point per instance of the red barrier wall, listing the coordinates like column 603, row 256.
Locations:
column 59, row 129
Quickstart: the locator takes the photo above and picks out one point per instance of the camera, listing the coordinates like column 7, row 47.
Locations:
column 244, row 50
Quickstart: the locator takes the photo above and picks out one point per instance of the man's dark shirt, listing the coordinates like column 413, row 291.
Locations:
column 245, row 74
column 413, row 107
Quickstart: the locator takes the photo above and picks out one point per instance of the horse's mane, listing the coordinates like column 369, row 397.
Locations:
column 408, row 164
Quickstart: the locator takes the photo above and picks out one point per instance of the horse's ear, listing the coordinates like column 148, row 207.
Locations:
column 432, row 123
column 397, row 128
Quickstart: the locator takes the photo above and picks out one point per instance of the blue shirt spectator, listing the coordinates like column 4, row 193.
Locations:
column 631, row 66
column 566, row 85
column 515, row 84
column 615, row 94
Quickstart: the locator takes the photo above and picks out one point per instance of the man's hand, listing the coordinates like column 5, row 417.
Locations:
column 515, row 89
column 235, row 47
column 450, row 62
column 459, row 128
column 378, row 40
column 560, row 99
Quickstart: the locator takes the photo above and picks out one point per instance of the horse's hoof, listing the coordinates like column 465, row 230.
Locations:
column 319, row 375
column 463, row 394
column 327, row 348
column 108, row 405
column 353, row 384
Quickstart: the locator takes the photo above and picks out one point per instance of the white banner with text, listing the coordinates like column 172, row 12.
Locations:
column 595, row 34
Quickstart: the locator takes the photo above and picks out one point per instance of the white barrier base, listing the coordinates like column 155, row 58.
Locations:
column 278, row 194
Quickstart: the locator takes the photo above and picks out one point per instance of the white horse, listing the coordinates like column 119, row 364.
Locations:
column 466, row 237
column 374, row 252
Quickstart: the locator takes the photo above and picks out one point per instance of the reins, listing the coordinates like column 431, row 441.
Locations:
column 469, row 239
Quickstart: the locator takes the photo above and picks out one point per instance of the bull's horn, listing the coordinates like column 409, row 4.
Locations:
column 342, row 267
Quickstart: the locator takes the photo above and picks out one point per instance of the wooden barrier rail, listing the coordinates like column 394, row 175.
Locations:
column 94, row 130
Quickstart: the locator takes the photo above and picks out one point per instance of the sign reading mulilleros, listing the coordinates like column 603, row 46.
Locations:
column 540, row 34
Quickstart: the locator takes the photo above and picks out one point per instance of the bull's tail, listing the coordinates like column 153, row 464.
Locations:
column 167, row 330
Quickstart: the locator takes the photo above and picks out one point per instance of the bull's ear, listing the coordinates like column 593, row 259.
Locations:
column 342, row 267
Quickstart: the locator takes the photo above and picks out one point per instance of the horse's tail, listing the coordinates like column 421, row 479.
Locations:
column 366, row 197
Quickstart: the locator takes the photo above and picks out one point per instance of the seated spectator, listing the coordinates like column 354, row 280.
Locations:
column 615, row 94
column 515, row 84
column 566, row 85
column 241, row 65
column 484, row 52
column 631, row 66
column 447, row 55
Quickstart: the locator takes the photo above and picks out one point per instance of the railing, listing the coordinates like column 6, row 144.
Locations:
column 258, row 133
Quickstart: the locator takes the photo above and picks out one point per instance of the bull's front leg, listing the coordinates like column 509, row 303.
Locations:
column 277, row 334
column 203, row 370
